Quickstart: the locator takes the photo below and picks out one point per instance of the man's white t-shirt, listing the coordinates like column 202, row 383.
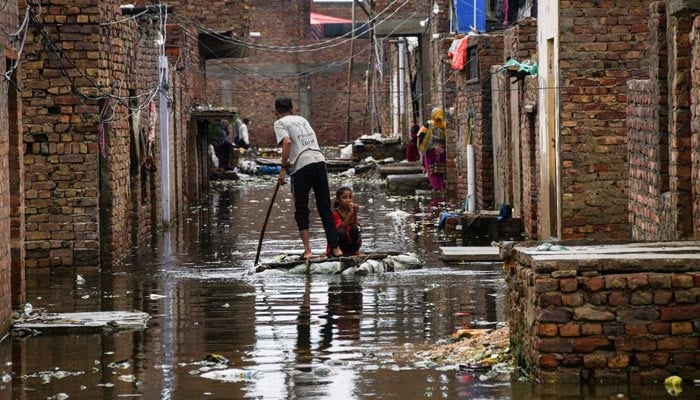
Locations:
column 304, row 148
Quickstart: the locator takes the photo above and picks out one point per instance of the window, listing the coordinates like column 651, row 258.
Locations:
column 472, row 63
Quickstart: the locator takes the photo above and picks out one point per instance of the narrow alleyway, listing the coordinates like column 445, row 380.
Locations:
column 293, row 336
column 312, row 337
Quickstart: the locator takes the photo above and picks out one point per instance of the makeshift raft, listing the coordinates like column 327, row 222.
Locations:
column 365, row 264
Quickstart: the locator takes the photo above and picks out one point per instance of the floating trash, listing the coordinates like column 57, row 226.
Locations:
column 216, row 358
column 127, row 378
column 232, row 375
column 398, row 214
column 673, row 385
column 123, row 364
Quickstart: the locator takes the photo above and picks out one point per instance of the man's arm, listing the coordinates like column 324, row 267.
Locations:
column 286, row 148
column 284, row 160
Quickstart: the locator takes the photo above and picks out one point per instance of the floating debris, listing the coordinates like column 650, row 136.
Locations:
column 104, row 319
column 232, row 375
column 123, row 364
column 673, row 385
column 127, row 378
column 485, row 352
column 216, row 358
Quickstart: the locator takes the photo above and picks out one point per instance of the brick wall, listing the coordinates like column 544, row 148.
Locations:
column 7, row 25
column 695, row 127
column 599, row 50
column 315, row 79
column 91, row 125
column 663, row 130
column 60, row 136
column 473, row 98
column 607, row 318
column 219, row 16
column 679, row 75
column 12, row 280
column 645, row 150
column 530, row 156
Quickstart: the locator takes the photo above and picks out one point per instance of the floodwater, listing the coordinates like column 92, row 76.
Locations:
column 292, row 336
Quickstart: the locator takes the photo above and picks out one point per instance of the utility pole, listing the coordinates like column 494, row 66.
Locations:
column 368, row 8
column 350, row 64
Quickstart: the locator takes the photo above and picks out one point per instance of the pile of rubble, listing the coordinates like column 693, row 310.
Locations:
column 483, row 352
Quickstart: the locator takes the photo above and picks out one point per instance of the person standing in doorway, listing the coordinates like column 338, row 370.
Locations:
column 412, row 146
column 431, row 144
column 303, row 160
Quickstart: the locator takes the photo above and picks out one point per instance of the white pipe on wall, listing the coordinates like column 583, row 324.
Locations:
column 164, row 142
column 471, row 179
column 394, row 103
column 402, row 80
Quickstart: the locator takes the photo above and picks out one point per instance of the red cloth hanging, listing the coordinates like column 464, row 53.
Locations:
column 459, row 58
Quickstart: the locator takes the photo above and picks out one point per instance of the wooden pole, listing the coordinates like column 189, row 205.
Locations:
column 267, row 217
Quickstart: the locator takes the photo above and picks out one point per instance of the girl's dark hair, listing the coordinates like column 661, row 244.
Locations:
column 340, row 192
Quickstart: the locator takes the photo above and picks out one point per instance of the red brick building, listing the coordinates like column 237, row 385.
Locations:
column 276, row 52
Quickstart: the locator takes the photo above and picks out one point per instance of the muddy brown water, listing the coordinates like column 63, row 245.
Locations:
column 293, row 336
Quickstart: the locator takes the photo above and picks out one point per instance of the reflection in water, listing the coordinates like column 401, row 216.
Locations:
column 318, row 337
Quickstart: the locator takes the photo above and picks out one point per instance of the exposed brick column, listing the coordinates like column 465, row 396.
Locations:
column 644, row 155
column 695, row 126
column 679, row 53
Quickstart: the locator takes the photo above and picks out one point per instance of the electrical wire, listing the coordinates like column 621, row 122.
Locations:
column 316, row 46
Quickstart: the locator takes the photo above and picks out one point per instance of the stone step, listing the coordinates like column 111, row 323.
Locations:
column 469, row 253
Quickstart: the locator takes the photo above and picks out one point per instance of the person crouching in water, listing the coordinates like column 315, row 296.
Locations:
column 345, row 215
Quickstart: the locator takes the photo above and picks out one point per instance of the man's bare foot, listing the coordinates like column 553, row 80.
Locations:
column 308, row 255
column 337, row 252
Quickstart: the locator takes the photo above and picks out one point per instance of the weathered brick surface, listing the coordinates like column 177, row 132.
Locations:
column 662, row 130
column 628, row 326
column 93, row 106
column 12, row 279
column 593, row 74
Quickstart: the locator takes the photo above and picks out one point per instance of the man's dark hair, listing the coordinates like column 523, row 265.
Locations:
column 283, row 104
column 246, row 120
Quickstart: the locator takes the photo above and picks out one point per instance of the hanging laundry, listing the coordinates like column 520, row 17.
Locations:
column 453, row 48
column 459, row 59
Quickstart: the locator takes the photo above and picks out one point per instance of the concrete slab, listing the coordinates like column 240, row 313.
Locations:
column 96, row 319
column 648, row 256
column 470, row 253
